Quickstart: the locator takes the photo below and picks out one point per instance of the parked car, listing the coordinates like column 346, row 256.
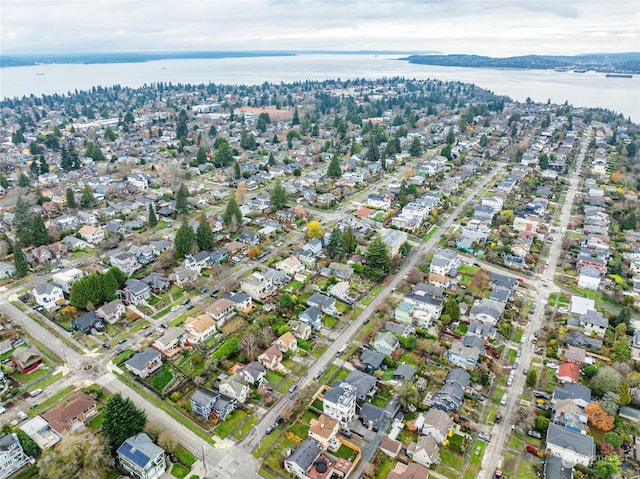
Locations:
column 484, row 437
column 106, row 346
column 346, row 432
column 122, row 341
column 35, row 392
column 2, row 409
column 535, row 434
column 191, row 306
column 175, row 308
column 22, row 415
column 186, row 301
column 203, row 291
column 542, row 395
column 270, row 429
column 293, row 388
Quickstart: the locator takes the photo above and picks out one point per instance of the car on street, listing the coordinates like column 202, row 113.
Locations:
column 518, row 353
column 22, row 415
column 106, row 346
column 341, row 350
column 509, row 381
column 175, row 308
column 542, row 395
column 515, row 366
column 2, row 409
column 346, row 432
column 535, row 434
column 191, row 306
column 122, row 341
column 270, row 429
column 203, row 291
column 525, row 371
column 543, row 407
column 186, row 301
column 503, row 401
column 35, row 392
column 484, row 437
column 293, row 388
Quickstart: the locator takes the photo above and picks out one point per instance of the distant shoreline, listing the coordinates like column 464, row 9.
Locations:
column 100, row 58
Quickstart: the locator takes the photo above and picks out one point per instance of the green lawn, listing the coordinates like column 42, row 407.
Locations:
column 525, row 471
column 246, row 428
column 511, row 355
column 96, row 422
column 451, row 459
column 300, row 430
column 330, row 321
column 476, row 459
column 345, row 452
column 284, row 387
column 179, row 471
column 328, row 374
column 159, row 381
column 497, row 395
column 342, row 374
column 184, row 456
column 517, row 335
column 266, row 444
column 233, row 420
column 386, row 464
column 491, row 415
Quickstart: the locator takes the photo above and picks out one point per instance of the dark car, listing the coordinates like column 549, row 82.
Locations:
column 122, row 341
column 203, row 291
column 106, row 346
column 346, row 432
column 186, row 301
column 191, row 306
column 270, row 429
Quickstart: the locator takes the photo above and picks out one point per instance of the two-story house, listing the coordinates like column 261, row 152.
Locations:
column 437, row 424
column 48, row 295
column 290, row 265
column 311, row 316
column 12, row 456
column 221, row 310
column 144, row 363
column 271, row 358
column 326, row 304
column 136, row 291
column 125, row 262
column 171, row 343
column 207, row 403
column 112, row 311
column 235, row 387
column 257, row 285
column 92, row 234
column 339, row 402
column 570, row 446
column 200, row 328
column 141, row 458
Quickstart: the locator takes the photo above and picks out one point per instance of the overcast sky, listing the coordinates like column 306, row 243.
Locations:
column 484, row 27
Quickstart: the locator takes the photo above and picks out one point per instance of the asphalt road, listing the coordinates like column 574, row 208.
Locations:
column 500, row 433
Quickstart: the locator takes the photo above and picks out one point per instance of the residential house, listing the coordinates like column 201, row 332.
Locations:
column 218, row 255
column 201, row 328
column 221, row 310
column 311, row 316
column 568, row 373
column 339, row 270
column 570, row 446
column 87, row 322
column 481, row 330
column 287, row 342
column 208, row 403
column 171, row 343
column 290, row 265
column 593, row 323
column 372, row 360
column 393, row 239
column 242, row 301
column 426, row 303
column 300, row 329
column 12, row 456
column 72, row 413
column 144, row 363
column 91, row 234
column 235, row 387
column 48, row 295
column 589, row 278
column 568, row 414
column 140, row 457
column 341, row 291
column 555, row 468
column 303, row 458
column 386, row 343
column 39, row 431
column 437, row 424
column 390, row 447
column 183, row 275
column 373, row 417
column 271, row 358
column 324, row 303
column 425, row 451
column 463, row 356
column 254, row 373
column 325, row 429
column 365, row 384
column 579, row 394
column 249, row 238
column 404, row 372
column 112, row 311
column 136, row 291
column 125, row 262
column 257, row 285
column 197, row 261
column 487, row 310
column 413, row 470
column 26, row 359
column 339, row 402
column 450, row 396
column 65, row 279
column 574, row 354
column 445, row 262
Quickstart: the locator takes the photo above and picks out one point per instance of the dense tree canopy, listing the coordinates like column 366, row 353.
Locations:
column 121, row 420
column 378, row 261
column 182, row 205
column 278, row 196
column 204, row 234
column 97, row 288
column 185, row 240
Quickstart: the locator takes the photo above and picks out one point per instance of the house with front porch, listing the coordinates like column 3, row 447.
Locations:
column 48, row 295
column 171, row 343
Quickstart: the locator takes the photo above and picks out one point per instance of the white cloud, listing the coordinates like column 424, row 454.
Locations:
column 496, row 28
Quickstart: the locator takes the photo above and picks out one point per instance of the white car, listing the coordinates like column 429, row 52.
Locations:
column 175, row 308
column 2, row 409
column 22, row 415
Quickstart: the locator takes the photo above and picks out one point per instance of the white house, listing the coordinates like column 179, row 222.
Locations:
column 48, row 295
column 140, row 457
column 570, row 446
column 339, row 402
column 201, row 328
column 589, row 278
column 66, row 278
column 425, row 451
column 290, row 265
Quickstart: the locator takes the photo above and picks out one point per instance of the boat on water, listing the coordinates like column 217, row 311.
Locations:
column 619, row 75
column 561, row 69
column 579, row 71
column 40, row 74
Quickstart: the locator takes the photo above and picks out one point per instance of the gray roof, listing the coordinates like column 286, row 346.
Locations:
column 370, row 413
column 139, row 360
column 405, row 371
column 204, row 396
column 555, row 468
column 373, row 358
column 571, row 440
column 459, row 376
column 572, row 391
column 362, row 381
column 305, row 454
column 42, row 287
column 139, row 449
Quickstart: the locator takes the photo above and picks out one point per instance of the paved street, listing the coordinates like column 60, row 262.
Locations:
column 500, row 433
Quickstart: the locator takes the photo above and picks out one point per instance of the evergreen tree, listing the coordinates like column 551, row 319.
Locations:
column 349, row 240
column 153, row 219
column 181, row 124
column 87, row 198
column 3, row 181
column 92, row 150
column 44, row 166
column 71, row 198
column 271, row 161
column 296, row 117
column 232, row 214
column 336, row 248
column 121, row 420
column 543, row 162
column 22, row 222
column 181, row 199
column 19, row 261
column 185, row 240
column 23, row 181
column 236, row 171
column 278, row 196
column 334, row 170
column 224, row 155
column 201, row 156
column 373, row 153
column 451, row 137
column 446, row 152
column 204, row 235
column 378, row 261
column 34, row 169
column 40, row 235
column 452, row 309
column 415, row 148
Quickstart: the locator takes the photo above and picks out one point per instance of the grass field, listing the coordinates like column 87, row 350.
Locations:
column 233, row 420
column 476, row 459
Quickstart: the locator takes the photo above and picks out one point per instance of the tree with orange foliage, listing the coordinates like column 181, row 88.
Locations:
column 598, row 417
column 617, row 177
column 253, row 252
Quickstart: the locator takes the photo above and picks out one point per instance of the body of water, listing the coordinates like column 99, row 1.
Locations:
column 588, row 89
